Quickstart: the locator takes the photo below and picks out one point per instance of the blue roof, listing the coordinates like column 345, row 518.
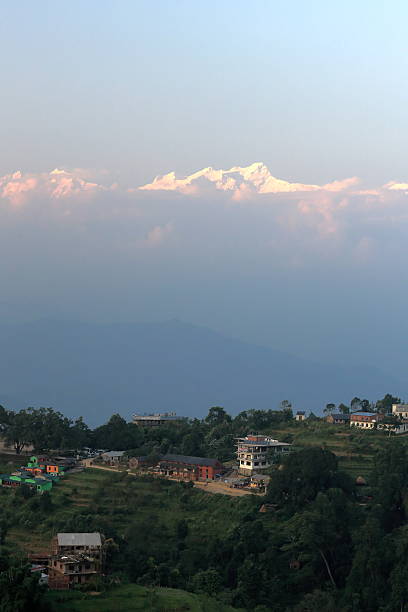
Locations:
column 365, row 413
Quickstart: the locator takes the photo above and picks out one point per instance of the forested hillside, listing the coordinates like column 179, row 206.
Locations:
column 310, row 550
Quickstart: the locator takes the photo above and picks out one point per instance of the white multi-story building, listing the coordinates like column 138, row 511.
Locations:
column 400, row 410
column 255, row 452
column 157, row 419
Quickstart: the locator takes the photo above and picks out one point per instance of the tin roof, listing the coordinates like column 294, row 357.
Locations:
column 79, row 539
column 190, row 460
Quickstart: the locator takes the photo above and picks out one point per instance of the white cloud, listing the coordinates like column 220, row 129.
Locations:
column 158, row 234
column 18, row 187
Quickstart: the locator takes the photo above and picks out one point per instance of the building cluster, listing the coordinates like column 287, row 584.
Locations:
column 39, row 474
column 255, row 454
column 374, row 420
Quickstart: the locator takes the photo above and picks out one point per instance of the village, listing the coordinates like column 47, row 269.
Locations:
column 74, row 559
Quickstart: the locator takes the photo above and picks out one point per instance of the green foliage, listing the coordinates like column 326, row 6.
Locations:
column 302, row 476
column 324, row 544
column 19, row 588
column 43, row 428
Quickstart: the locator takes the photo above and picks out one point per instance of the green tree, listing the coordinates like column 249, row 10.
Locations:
column 217, row 415
column 344, row 409
column 367, row 584
column 355, row 404
column 304, row 474
column 329, row 408
column 320, row 534
column 384, row 405
column 19, row 590
column 207, row 581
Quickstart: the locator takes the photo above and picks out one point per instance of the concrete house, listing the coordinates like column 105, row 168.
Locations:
column 365, row 420
column 338, row 419
column 400, row 410
column 77, row 559
column 256, row 452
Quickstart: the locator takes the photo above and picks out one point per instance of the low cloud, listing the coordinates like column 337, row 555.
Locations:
column 17, row 188
column 243, row 209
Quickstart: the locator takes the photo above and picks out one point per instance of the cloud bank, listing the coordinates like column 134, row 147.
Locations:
column 308, row 212
column 282, row 263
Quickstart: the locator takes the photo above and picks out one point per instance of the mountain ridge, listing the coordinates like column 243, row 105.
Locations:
column 240, row 179
column 95, row 370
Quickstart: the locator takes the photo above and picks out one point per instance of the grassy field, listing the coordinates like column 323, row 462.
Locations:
column 9, row 462
column 130, row 598
column 118, row 500
column 354, row 449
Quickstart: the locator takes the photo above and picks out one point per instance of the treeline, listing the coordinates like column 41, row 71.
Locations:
column 213, row 436
column 47, row 429
column 382, row 406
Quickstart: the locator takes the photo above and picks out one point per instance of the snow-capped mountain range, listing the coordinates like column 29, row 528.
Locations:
column 255, row 178
column 239, row 182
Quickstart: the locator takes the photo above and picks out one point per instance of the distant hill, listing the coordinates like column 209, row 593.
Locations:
column 95, row 370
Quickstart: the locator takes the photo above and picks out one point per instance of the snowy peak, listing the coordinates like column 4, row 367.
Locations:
column 255, row 178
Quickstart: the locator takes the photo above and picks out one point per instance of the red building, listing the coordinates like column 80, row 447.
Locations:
column 190, row 468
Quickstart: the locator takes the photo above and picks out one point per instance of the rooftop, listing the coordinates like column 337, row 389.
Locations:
column 79, row 539
column 190, row 460
column 252, row 440
column 166, row 416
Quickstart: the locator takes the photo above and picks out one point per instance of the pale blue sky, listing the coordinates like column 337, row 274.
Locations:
column 317, row 90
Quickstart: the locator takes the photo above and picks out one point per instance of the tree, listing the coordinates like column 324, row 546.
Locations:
column 207, row 581
column 367, row 583
column 80, row 434
column 117, row 434
column 365, row 405
column 286, row 408
column 20, row 590
column 384, row 405
column 329, row 408
column 355, row 404
column 321, row 534
column 304, row 474
column 390, row 479
column 17, row 429
column 217, row 415
column 317, row 600
column 344, row 409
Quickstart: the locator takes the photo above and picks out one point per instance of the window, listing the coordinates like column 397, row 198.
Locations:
column 248, row 463
column 256, row 463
